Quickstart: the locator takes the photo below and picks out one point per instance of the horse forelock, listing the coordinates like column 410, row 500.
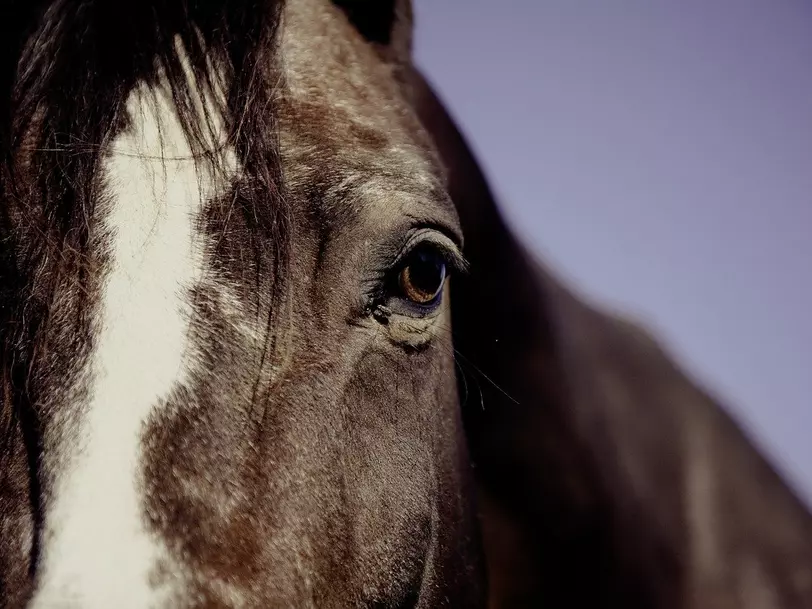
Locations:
column 141, row 144
column 74, row 73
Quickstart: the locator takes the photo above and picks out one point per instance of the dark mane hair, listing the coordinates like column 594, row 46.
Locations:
column 66, row 71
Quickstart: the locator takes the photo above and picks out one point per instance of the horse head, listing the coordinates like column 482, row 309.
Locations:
column 267, row 342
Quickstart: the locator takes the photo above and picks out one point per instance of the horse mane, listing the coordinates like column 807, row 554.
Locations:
column 67, row 68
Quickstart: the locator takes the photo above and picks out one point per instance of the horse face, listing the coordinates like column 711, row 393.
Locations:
column 215, row 430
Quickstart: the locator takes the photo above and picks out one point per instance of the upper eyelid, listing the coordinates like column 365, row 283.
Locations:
column 446, row 226
column 439, row 239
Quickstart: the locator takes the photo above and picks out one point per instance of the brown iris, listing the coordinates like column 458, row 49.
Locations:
column 422, row 278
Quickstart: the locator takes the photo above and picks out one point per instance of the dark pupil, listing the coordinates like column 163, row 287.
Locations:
column 426, row 273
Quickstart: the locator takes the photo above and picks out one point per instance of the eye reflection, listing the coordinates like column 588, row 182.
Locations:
column 421, row 279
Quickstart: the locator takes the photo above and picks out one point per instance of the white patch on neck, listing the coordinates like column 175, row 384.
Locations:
column 97, row 551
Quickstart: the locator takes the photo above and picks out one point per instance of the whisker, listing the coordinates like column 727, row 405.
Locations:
column 468, row 362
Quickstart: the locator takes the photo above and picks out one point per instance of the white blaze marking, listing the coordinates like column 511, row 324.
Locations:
column 97, row 552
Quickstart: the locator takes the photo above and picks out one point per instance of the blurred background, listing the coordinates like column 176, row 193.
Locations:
column 658, row 155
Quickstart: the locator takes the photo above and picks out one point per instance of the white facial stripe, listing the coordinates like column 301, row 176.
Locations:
column 97, row 552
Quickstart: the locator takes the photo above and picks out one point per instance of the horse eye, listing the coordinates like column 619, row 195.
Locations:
column 422, row 276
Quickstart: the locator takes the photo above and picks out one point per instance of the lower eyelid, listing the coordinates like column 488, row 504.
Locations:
column 413, row 331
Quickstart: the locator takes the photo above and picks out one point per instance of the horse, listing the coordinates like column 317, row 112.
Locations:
column 267, row 342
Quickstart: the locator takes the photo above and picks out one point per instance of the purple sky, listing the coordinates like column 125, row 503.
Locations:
column 659, row 154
